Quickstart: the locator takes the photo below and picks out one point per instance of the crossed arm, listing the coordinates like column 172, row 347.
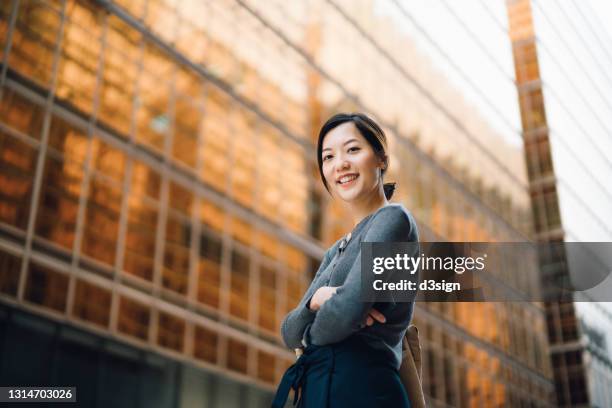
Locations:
column 344, row 313
column 294, row 324
column 338, row 312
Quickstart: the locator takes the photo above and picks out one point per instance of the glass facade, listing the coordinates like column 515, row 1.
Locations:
column 159, row 187
column 559, row 69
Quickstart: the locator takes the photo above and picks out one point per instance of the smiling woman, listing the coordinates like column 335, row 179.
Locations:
column 358, row 141
column 350, row 350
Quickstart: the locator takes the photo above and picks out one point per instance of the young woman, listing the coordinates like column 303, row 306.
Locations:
column 349, row 350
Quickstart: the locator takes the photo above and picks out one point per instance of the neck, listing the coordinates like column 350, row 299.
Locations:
column 363, row 208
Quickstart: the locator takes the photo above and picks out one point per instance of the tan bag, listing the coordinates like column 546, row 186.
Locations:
column 410, row 370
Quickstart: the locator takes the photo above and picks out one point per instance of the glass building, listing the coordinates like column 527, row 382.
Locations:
column 161, row 209
column 562, row 66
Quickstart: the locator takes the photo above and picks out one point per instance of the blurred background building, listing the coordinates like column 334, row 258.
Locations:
column 161, row 210
column 562, row 68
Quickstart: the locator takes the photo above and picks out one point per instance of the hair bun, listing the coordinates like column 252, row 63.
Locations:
column 389, row 189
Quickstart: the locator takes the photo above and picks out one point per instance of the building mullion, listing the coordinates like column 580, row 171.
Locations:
column 281, row 275
column 228, row 246
column 40, row 162
column 126, row 187
column 87, row 166
column 255, row 255
column 163, row 214
column 9, row 43
column 196, row 231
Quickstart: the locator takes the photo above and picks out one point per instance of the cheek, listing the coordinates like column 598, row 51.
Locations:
column 368, row 167
column 327, row 173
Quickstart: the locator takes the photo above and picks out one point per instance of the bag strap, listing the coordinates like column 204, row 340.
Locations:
column 410, row 369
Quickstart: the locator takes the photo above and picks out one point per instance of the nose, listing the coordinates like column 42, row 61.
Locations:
column 344, row 164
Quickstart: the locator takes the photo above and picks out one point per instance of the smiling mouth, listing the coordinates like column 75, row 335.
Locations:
column 348, row 180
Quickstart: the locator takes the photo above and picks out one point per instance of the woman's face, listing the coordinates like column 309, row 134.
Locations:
column 347, row 153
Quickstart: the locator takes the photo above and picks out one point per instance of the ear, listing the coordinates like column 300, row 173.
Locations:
column 383, row 162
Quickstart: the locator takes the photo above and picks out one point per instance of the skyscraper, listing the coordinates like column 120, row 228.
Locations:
column 560, row 72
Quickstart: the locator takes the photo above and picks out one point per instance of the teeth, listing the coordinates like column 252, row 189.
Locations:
column 346, row 179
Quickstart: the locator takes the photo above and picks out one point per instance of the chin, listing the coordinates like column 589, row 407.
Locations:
column 350, row 196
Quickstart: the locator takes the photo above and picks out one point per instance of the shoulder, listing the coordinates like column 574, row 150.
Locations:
column 396, row 220
column 393, row 212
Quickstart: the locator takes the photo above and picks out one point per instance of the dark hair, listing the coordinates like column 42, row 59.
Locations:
column 369, row 130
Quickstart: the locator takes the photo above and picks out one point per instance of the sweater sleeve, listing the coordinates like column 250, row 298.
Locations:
column 343, row 313
column 294, row 324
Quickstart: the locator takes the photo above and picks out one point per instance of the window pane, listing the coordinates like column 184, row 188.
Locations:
column 296, row 260
column 46, row 287
column 242, row 230
column 267, row 244
column 5, row 14
column 239, row 290
column 191, row 37
column 152, row 120
column 294, row 291
column 119, row 75
column 101, row 220
column 293, row 208
column 171, row 332
column 209, row 280
column 205, row 345
column 140, row 237
column 296, row 275
column 142, row 221
column 21, row 114
column 17, row 166
column 133, row 318
column 108, row 160
column 265, row 366
column 219, row 59
column 186, row 129
column 79, row 57
column 237, row 356
column 270, row 174
column 134, row 7
column 146, row 181
column 212, row 215
column 59, row 201
column 10, row 267
column 92, row 303
column 215, row 149
column 244, row 170
column 161, row 19
column 267, row 298
column 61, row 186
column 176, row 253
column 34, row 40
column 180, row 198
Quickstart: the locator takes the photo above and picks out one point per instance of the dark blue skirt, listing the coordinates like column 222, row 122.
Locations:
column 345, row 374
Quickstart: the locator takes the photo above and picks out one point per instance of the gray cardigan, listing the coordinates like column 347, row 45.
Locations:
column 344, row 314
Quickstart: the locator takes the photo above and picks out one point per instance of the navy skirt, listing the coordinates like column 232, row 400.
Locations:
column 345, row 374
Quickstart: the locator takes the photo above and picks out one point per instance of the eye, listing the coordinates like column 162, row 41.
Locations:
column 326, row 157
column 354, row 148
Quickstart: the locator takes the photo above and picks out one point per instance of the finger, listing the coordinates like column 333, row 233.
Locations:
column 369, row 321
column 377, row 315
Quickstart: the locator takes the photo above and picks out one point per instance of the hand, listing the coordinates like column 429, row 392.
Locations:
column 373, row 315
column 321, row 296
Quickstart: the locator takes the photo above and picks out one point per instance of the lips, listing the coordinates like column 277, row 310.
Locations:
column 347, row 179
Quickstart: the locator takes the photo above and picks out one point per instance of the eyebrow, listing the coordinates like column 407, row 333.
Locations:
column 345, row 143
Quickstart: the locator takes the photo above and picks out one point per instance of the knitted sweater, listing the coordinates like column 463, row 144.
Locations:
column 344, row 314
